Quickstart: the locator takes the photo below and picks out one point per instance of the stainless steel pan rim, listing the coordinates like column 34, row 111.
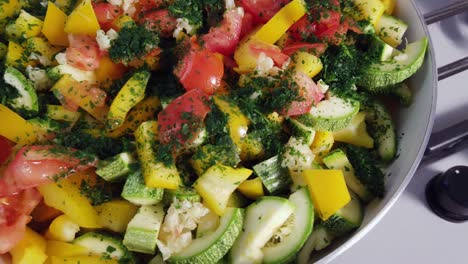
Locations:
column 430, row 58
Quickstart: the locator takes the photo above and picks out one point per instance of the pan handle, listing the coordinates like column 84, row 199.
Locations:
column 446, row 12
column 439, row 15
column 447, row 139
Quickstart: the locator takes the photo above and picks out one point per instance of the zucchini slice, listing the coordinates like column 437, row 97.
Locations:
column 262, row 219
column 104, row 246
column 301, row 223
column 331, row 115
column 396, row 70
column 382, row 129
column 136, row 191
column 212, row 247
column 27, row 99
column 346, row 219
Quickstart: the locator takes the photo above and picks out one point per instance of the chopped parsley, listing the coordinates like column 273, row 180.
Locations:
column 133, row 42
column 103, row 147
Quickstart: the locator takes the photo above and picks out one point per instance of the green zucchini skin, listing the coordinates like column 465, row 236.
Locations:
column 213, row 247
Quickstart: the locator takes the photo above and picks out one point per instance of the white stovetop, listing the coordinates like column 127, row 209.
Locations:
column 410, row 232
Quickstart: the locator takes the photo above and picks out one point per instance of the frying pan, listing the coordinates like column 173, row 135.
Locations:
column 414, row 126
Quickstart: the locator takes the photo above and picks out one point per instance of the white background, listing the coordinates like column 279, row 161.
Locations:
column 410, row 232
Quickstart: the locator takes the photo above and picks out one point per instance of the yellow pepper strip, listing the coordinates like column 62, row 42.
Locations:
column 107, row 72
column 59, row 113
column 39, row 45
column 9, row 8
column 322, row 144
column 82, row 259
column 15, row 128
column 389, row 6
column 131, row 94
column 65, row 195
column 15, row 56
column 143, row 111
column 252, row 189
column 28, row 26
column 64, row 249
column 54, row 25
column 68, row 87
column 328, row 191
column 156, row 173
column 371, row 10
column 62, row 229
column 31, row 249
column 356, row 133
column 115, row 215
column 82, row 20
column 306, row 63
column 281, row 21
column 218, row 183
column 237, row 122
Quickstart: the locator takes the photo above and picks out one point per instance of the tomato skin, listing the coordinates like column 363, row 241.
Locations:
column 188, row 110
column 309, row 93
column 262, row 10
column 200, row 69
column 151, row 4
column 36, row 165
column 328, row 28
column 271, row 51
column 247, row 25
column 14, row 215
column 224, row 38
column 316, row 49
column 106, row 13
column 160, row 21
column 6, row 147
column 83, row 52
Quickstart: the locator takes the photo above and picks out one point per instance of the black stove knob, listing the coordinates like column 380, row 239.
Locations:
column 447, row 194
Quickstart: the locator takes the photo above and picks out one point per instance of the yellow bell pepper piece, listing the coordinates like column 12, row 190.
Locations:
column 355, row 133
column 123, row 21
column 281, row 21
column 64, row 249
column 28, row 26
column 64, row 87
column 54, row 25
column 31, row 249
column 156, row 173
column 129, row 95
column 62, row 229
column 59, row 113
column 9, row 8
column 252, row 189
column 15, row 56
column 371, row 10
column 15, row 128
column 143, row 111
column 65, row 195
column 115, row 215
column 82, row 259
column 328, row 191
column 217, row 184
column 82, row 20
column 107, row 72
column 238, row 123
column 389, row 6
column 247, row 53
column 306, row 63
column 42, row 47
column 252, row 148
column 322, row 144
